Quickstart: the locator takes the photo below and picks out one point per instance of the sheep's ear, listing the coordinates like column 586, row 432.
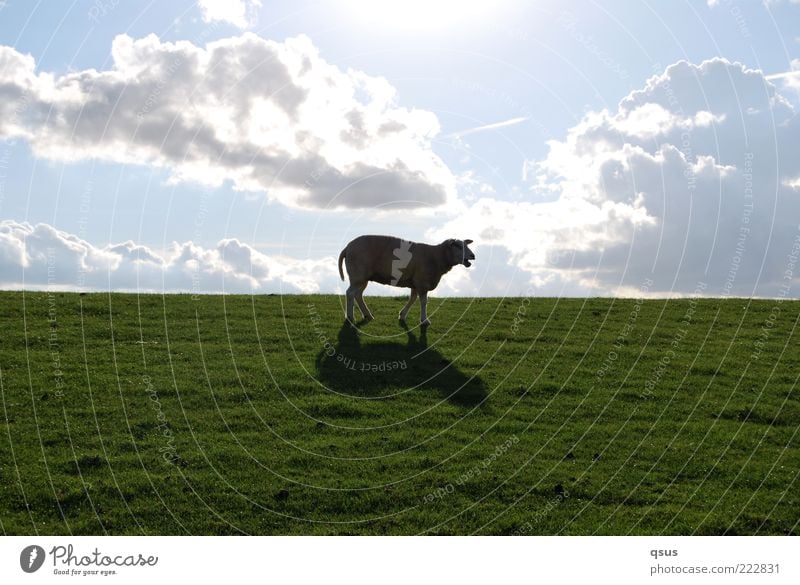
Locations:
column 467, row 242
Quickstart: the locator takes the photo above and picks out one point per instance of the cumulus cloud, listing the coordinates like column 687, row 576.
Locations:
column 266, row 116
column 692, row 180
column 239, row 13
column 40, row 256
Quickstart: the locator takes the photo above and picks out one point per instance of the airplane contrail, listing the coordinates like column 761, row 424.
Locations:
column 503, row 124
column 783, row 75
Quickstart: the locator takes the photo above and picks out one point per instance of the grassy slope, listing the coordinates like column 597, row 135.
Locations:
column 544, row 428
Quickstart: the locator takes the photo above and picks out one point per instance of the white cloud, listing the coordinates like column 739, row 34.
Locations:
column 240, row 13
column 267, row 116
column 793, row 184
column 693, row 178
column 40, row 256
column 690, row 180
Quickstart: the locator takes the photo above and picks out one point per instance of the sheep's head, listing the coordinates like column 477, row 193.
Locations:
column 459, row 252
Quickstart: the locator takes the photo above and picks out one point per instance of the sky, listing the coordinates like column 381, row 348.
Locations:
column 589, row 149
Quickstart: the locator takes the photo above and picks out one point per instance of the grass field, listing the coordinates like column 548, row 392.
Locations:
column 126, row 414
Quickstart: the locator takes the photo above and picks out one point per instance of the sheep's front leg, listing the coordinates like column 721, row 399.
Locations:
column 423, row 303
column 404, row 310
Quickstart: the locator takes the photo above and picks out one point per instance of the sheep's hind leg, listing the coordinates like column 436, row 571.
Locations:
column 423, row 303
column 405, row 309
column 350, row 295
column 361, row 304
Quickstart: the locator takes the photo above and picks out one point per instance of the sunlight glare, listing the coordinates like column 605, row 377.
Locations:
column 438, row 15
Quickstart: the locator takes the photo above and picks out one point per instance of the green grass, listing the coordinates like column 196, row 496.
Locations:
column 127, row 414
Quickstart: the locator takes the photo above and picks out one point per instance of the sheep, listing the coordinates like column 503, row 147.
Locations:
column 398, row 262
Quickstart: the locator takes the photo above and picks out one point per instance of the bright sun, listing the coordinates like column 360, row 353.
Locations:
column 421, row 14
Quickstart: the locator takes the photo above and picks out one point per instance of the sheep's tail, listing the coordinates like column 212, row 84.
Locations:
column 341, row 258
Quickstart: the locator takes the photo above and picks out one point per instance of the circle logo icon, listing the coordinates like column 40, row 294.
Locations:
column 31, row 558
